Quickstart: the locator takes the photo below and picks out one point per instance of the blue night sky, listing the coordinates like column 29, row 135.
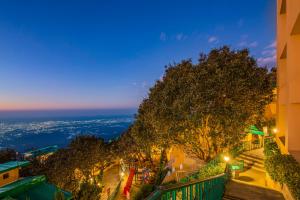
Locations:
column 106, row 54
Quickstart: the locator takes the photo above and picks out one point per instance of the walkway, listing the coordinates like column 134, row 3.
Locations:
column 254, row 172
column 251, row 184
column 242, row 191
column 111, row 178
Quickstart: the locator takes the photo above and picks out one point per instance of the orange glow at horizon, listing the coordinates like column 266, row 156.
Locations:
column 15, row 106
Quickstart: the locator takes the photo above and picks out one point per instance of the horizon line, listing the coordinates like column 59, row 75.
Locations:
column 68, row 109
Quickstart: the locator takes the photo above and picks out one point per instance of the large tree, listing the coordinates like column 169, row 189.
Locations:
column 85, row 157
column 206, row 106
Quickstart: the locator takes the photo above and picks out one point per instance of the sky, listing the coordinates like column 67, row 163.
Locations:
column 61, row 54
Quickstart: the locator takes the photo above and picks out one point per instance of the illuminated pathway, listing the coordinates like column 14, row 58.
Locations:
column 251, row 184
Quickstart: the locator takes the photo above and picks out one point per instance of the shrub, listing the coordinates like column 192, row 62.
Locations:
column 283, row 169
column 169, row 183
column 212, row 168
column 144, row 191
column 271, row 149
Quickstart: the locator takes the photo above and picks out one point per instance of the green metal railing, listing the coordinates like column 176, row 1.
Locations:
column 206, row 189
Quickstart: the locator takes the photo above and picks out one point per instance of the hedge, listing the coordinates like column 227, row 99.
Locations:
column 283, row 169
column 271, row 149
column 212, row 168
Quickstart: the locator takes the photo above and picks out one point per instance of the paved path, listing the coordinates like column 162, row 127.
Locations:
column 255, row 174
column 111, row 178
column 251, row 184
column 244, row 191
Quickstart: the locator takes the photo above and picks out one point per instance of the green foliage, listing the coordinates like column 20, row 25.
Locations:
column 7, row 155
column 285, row 169
column 143, row 192
column 204, row 106
column 169, row 183
column 88, row 191
column 282, row 168
column 271, row 149
column 212, row 168
column 68, row 167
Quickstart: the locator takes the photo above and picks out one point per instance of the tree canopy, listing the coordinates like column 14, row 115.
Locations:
column 205, row 106
column 82, row 160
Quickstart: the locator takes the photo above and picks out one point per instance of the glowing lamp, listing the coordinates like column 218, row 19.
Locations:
column 226, row 158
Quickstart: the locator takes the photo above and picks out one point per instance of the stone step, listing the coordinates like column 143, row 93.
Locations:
column 251, row 157
column 253, row 163
column 254, row 166
column 249, row 160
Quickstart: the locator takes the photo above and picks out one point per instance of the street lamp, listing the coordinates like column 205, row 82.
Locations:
column 226, row 158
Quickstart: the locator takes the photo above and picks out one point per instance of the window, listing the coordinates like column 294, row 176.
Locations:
column 5, row 176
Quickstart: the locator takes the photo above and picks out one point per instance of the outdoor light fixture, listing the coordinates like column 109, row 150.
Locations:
column 122, row 174
column 275, row 130
column 226, row 158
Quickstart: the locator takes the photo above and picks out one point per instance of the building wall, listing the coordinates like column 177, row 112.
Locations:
column 288, row 60
column 13, row 175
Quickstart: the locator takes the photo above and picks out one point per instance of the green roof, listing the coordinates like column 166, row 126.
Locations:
column 12, row 165
column 41, row 151
column 34, row 188
column 253, row 130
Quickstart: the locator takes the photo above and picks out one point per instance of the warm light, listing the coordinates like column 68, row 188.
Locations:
column 226, row 158
column 122, row 174
column 275, row 130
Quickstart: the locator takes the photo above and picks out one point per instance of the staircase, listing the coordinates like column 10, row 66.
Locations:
column 250, row 184
column 252, row 161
